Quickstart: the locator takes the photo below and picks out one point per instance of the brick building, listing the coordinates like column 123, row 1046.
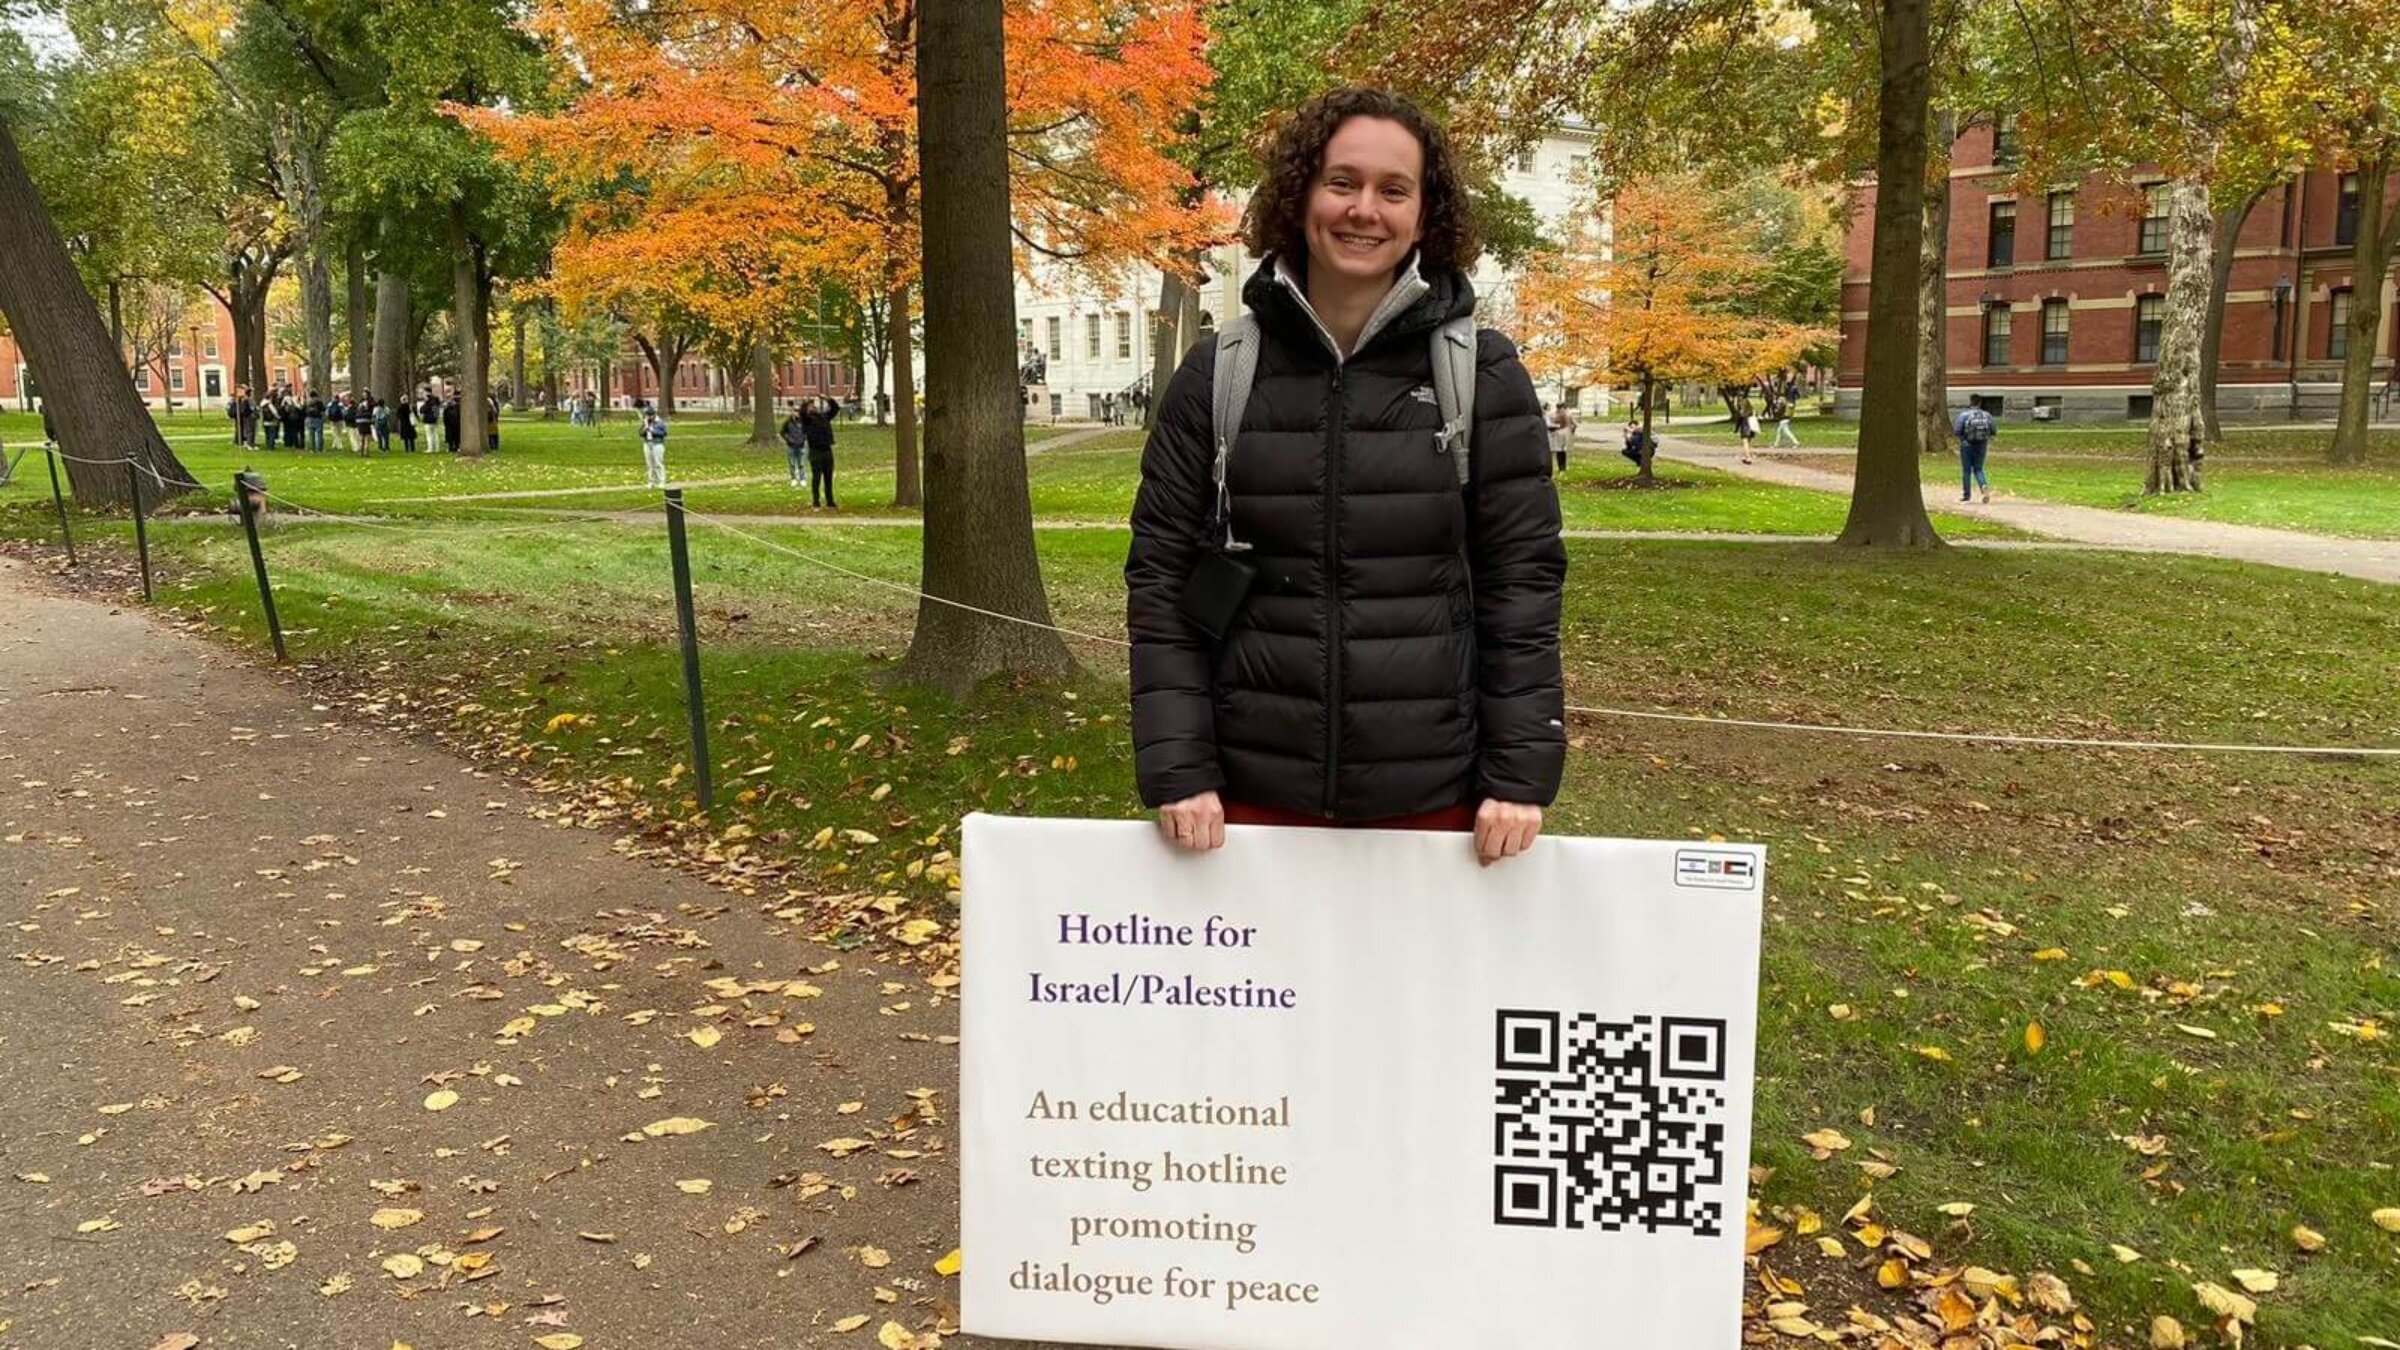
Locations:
column 2055, row 297
column 197, row 372
column 701, row 385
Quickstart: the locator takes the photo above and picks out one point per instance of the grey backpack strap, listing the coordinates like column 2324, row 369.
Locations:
column 1454, row 390
column 1236, row 371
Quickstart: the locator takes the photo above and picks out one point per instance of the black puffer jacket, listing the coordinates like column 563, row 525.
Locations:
column 1399, row 650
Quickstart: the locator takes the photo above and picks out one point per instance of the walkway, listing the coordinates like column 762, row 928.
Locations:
column 257, row 943
column 2368, row 559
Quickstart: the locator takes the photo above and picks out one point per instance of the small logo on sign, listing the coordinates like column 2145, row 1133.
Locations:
column 1716, row 869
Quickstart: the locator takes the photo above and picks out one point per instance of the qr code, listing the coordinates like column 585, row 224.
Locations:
column 1610, row 1125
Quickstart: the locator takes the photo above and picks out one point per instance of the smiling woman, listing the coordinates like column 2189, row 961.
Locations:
column 1334, row 620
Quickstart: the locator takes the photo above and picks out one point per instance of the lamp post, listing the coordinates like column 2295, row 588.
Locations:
column 199, row 387
column 2283, row 297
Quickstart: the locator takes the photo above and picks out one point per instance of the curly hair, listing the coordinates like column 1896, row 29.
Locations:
column 1274, row 221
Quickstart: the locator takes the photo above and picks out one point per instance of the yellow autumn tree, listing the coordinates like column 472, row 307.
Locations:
column 1659, row 284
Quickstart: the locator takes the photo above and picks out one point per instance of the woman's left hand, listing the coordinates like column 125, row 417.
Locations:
column 1505, row 829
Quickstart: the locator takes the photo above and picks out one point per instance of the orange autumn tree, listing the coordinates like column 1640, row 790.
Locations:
column 1658, row 287
column 800, row 118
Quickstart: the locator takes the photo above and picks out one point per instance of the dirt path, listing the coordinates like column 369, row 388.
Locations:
column 2370, row 559
column 249, row 937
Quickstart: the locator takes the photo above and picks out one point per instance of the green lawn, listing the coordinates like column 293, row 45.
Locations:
column 2128, row 440
column 2207, row 943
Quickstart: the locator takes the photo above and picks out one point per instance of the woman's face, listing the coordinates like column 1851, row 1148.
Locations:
column 1366, row 209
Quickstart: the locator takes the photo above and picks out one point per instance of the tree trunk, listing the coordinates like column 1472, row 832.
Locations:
column 2220, row 280
column 762, row 396
column 516, row 366
column 1933, row 293
column 82, row 373
column 1887, row 501
column 2175, row 422
column 905, row 487
column 2370, row 260
column 466, row 288
column 666, row 358
column 390, row 376
column 600, row 404
column 978, row 538
column 116, row 313
column 362, row 321
column 1646, row 475
column 1165, row 354
column 876, row 334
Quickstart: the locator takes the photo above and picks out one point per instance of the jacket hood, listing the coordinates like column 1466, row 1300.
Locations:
column 1277, row 293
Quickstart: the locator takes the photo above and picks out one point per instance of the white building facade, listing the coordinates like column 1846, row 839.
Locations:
column 1096, row 343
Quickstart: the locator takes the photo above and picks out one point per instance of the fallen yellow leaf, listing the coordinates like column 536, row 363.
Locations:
column 949, row 1265
column 2308, row 1239
column 675, row 1125
column 396, row 1218
column 2257, row 1281
column 2387, row 1219
column 851, row 1323
column 440, row 1099
column 559, row 1340
column 695, row 1186
column 2035, row 1038
column 403, row 1266
column 250, row 1232
column 704, row 1037
column 874, row 1258
column 893, row 1336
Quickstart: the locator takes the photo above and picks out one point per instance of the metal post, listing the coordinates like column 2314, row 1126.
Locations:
column 56, row 495
column 141, row 529
column 243, row 485
column 691, row 645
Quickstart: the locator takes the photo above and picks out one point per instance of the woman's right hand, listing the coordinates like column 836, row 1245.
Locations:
column 1196, row 823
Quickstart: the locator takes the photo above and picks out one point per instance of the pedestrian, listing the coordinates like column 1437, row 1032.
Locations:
column 362, row 422
column 1779, row 407
column 1636, row 440
column 270, row 414
column 316, row 425
column 429, row 414
column 1746, row 426
column 295, row 421
column 654, row 447
column 450, row 421
column 795, row 446
column 404, row 423
column 818, row 430
column 491, row 423
column 383, row 426
column 245, row 418
column 1358, row 659
column 1975, row 428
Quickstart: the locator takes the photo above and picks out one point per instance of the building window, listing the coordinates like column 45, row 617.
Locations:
column 1056, row 351
column 2062, row 225
column 1091, row 336
column 2154, row 219
column 1525, row 160
column 283, row 374
column 208, row 346
column 2149, row 317
column 174, row 344
column 2345, row 211
column 2004, row 139
column 1996, row 321
column 1124, row 335
column 2337, row 335
column 2054, row 332
column 175, row 379
column 2003, row 235
column 141, row 378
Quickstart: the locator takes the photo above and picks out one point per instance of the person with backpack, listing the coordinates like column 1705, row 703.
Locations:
column 1976, row 428
column 816, row 425
column 316, row 424
column 654, row 447
column 1345, row 576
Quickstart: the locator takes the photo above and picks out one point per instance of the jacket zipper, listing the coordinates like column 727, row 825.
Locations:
column 1333, row 596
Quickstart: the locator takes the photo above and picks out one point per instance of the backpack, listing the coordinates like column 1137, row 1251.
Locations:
column 1237, row 370
column 1976, row 427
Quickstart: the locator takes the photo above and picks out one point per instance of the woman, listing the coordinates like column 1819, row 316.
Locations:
column 404, row 421
column 1394, row 661
column 816, row 427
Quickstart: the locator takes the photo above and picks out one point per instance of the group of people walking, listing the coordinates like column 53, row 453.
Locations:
column 361, row 423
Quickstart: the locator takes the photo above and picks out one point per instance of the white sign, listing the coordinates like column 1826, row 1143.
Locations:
column 1346, row 1088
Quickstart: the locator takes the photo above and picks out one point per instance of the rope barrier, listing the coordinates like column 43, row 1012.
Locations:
column 903, row 587
column 1988, row 737
column 1634, row 714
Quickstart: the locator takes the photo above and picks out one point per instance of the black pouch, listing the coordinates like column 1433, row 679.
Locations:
column 1214, row 593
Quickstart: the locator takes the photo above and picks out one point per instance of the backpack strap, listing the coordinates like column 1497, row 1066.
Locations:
column 1454, row 391
column 1236, row 371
